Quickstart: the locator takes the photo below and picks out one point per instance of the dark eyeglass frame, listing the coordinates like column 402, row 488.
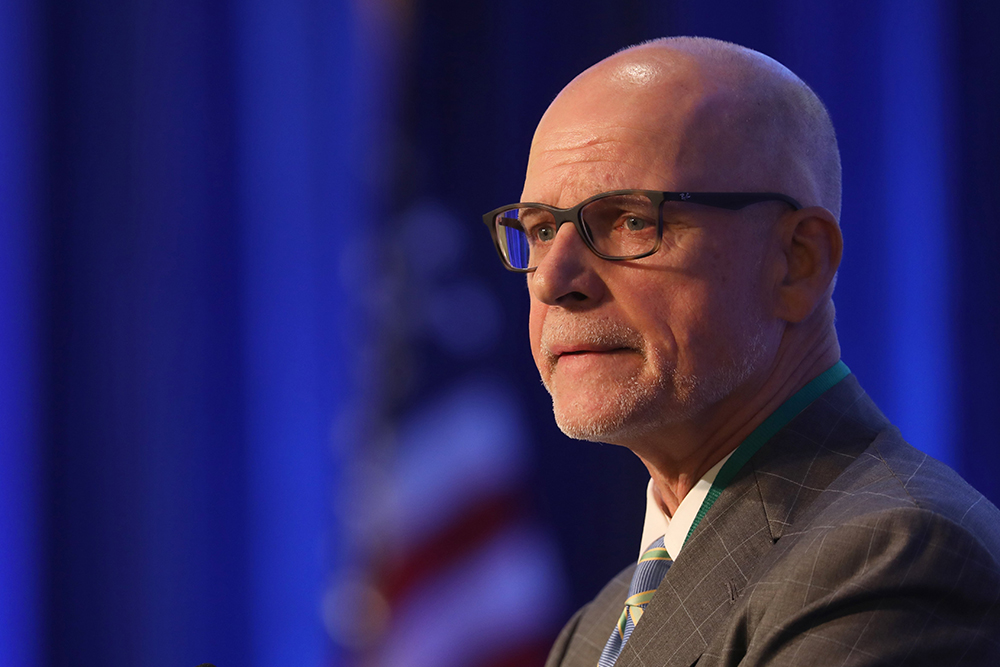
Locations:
column 732, row 201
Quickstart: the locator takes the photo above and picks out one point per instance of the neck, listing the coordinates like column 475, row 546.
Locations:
column 677, row 459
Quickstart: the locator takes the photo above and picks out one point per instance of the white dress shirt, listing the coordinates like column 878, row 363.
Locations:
column 675, row 529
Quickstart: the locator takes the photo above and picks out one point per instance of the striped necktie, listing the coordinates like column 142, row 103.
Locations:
column 649, row 572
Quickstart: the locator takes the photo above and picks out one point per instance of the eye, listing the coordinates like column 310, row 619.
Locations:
column 634, row 224
column 545, row 233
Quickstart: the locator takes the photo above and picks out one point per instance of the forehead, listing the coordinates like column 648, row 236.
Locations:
column 568, row 166
column 583, row 147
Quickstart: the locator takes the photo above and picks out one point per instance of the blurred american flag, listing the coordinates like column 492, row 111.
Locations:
column 449, row 566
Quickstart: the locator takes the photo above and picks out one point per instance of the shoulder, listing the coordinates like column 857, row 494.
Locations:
column 938, row 491
column 897, row 558
column 841, row 460
column 901, row 585
column 892, row 486
column 895, row 513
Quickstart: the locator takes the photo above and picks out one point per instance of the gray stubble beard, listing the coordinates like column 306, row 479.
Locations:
column 638, row 411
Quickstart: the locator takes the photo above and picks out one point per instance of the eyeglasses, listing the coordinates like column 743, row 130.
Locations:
column 616, row 225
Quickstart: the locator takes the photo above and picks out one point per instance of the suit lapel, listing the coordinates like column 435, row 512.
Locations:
column 805, row 457
column 700, row 588
column 777, row 484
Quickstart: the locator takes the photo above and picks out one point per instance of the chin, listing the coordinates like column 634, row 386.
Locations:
column 610, row 433
column 625, row 414
column 612, row 421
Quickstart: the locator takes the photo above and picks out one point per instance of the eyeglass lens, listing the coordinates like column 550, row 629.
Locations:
column 616, row 226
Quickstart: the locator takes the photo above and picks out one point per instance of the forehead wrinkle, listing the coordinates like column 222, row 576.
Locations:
column 594, row 135
column 565, row 182
column 603, row 151
column 565, row 187
column 624, row 152
column 656, row 153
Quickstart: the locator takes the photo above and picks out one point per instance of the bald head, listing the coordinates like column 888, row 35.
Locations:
column 704, row 115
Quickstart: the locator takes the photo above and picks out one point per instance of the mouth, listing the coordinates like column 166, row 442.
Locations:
column 577, row 341
column 588, row 364
column 567, row 351
column 589, row 358
column 585, row 351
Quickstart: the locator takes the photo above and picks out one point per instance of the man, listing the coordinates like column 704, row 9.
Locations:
column 688, row 316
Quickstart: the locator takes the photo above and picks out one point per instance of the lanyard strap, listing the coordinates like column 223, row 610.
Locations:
column 787, row 411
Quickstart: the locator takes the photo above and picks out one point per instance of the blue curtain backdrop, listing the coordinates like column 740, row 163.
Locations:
column 178, row 185
column 189, row 195
column 21, row 515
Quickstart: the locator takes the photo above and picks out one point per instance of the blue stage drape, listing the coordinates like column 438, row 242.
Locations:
column 199, row 191
column 21, row 516
column 188, row 196
column 975, row 200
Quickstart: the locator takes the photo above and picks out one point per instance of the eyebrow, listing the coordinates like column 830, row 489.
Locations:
column 533, row 212
column 622, row 200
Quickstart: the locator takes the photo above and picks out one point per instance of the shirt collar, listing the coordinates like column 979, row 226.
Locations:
column 674, row 530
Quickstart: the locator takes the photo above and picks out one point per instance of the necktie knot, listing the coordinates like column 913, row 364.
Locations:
column 649, row 572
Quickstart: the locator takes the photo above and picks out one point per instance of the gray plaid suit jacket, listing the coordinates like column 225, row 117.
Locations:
column 836, row 544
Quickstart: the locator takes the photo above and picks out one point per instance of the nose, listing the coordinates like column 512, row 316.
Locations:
column 566, row 276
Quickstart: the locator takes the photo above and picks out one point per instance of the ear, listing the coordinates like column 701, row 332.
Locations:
column 811, row 247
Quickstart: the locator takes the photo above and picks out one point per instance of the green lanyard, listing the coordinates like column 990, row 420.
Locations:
column 777, row 421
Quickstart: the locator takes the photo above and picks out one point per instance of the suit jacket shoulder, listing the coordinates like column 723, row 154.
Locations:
column 838, row 543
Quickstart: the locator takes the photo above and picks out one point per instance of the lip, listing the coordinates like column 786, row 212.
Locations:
column 571, row 350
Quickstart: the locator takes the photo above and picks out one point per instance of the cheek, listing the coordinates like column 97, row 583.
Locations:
column 705, row 313
column 685, row 324
column 732, row 268
column 736, row 307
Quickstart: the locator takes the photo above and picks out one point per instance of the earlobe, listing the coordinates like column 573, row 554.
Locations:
column 812, row 247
